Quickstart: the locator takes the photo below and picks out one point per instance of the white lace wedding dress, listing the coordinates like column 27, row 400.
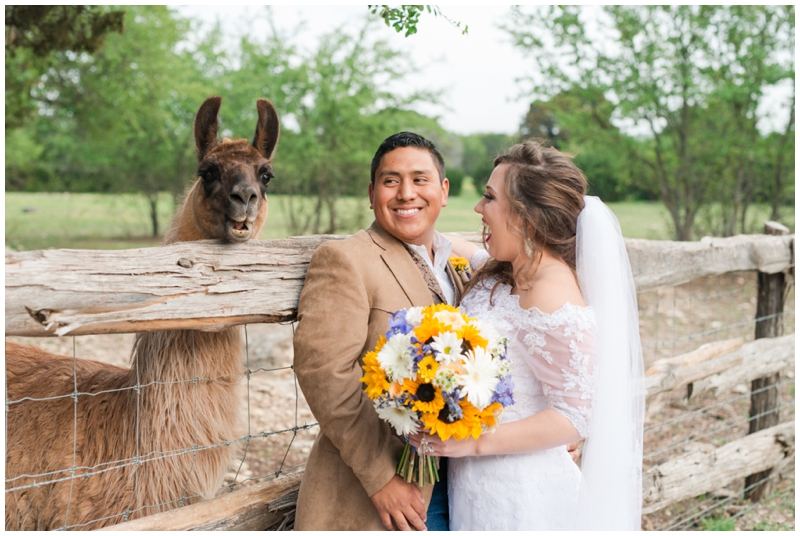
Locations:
column 553, row 366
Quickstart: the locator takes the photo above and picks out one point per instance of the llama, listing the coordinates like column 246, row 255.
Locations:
column 182, row 390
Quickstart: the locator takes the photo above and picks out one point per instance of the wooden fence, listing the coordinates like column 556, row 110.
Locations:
column 208, row 285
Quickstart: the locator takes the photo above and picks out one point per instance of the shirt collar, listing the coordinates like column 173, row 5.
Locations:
column 441, row 250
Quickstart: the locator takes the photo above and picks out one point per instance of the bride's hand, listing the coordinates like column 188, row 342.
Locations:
column 451, row 448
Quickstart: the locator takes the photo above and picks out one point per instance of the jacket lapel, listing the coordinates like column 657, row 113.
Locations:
column 402, row 266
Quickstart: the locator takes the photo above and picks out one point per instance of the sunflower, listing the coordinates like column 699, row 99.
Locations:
column 428, row 329
column 374, row 376
column 467, row 425
column 460, row 264
column 472, row 337
column 427, row 398
column 488, row 416
column 431, row 310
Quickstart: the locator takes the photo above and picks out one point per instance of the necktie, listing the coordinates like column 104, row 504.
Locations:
column 430, row 278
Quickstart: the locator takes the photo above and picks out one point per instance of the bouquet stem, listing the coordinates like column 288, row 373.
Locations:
column 418, row 467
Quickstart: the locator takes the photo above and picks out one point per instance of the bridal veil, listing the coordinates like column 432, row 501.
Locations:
column 611, row 489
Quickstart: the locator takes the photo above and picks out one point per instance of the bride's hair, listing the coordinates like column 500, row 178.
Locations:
column 545, row 191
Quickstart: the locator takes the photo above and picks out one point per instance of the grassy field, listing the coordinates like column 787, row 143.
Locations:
column 106, row 221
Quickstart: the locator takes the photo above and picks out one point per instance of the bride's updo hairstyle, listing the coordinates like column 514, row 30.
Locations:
column 545, row 191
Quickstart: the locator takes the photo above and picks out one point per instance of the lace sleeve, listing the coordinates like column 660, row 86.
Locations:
column 565, row 362
column 479, row 259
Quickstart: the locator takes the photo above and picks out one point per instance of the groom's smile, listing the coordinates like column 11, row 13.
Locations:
column 408, row 195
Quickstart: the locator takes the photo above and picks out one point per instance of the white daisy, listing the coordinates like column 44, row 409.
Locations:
column 396, row 359
column 488, row 332
column 414, row 316
column 402, row 419
column 480, row 378
column 447, row 346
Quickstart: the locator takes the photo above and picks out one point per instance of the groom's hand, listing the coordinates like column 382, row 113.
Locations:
column 574, row 451
column 402, row 503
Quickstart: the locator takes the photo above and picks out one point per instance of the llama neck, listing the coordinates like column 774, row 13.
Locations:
column 179, row 355
column 190, row 395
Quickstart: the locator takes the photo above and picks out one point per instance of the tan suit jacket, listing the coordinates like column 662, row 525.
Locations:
column 351, row 289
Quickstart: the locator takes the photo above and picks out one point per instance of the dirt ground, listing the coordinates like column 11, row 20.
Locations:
column 281, row 428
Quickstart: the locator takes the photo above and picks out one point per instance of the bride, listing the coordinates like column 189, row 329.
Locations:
column 558, row 285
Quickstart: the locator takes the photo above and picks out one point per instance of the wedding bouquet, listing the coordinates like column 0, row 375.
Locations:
column 439, row 370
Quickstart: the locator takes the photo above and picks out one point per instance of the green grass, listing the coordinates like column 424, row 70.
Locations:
column 717, row 523
column 121, row 221
column 636, row 219
column 84, row 221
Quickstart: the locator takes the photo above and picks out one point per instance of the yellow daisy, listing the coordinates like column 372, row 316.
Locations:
column 427, row 369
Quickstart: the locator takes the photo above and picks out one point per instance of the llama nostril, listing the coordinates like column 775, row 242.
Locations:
column 243, row 198
column 244, row 195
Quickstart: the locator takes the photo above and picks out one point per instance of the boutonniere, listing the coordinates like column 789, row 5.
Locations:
column 461, row 266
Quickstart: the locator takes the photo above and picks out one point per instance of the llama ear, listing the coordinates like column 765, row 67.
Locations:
column 267, row 129
column 206, row 126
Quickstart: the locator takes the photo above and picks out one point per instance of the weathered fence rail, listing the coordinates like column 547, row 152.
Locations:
column 208, row 285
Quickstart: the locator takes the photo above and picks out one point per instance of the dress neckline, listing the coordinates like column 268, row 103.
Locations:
column 535, row 311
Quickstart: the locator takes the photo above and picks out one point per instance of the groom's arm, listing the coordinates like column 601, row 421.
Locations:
column 332, row 330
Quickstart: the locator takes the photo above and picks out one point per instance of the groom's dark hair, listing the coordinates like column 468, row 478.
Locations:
column 407, row 139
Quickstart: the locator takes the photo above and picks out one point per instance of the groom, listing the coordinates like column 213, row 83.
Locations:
column 351, row 289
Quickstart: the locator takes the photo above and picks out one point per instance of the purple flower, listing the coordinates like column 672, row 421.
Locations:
column 398, row 324
column 452, row 409
column 503, row 392
column 420, row 352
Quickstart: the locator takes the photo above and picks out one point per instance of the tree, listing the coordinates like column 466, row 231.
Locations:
column 669, row 69
column 479, row 152
column 120, row 119
column 34, row 33
column 578, row 121
column 337, row 103
column 405, row 18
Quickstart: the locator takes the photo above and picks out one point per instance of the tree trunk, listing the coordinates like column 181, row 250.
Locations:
column 331, row 202
column 152, row 199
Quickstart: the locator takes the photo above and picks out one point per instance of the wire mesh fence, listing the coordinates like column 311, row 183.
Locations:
column 280, row 428
column 677, row 320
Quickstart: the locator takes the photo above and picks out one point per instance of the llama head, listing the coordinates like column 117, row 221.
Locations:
column 230, row 197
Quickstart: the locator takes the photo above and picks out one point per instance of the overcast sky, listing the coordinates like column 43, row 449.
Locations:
column 477, row 71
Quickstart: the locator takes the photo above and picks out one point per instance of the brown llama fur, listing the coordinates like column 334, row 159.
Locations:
column 133, row 431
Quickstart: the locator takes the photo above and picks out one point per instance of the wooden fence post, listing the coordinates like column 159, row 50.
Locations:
column 764, row 401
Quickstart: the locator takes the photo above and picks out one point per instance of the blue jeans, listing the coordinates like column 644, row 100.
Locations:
column 438, row 509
